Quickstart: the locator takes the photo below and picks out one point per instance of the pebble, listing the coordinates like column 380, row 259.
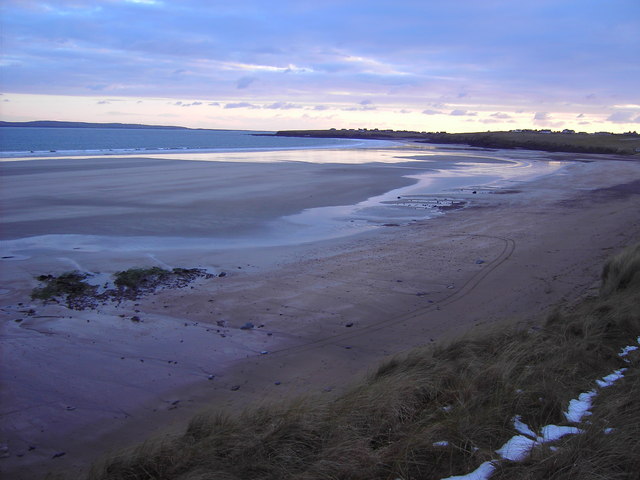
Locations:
column 349, row 325
column 58, row 455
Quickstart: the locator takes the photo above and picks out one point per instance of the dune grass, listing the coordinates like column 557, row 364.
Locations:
column 438, row 411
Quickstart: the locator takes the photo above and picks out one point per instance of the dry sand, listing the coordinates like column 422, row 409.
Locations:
column 85, row 382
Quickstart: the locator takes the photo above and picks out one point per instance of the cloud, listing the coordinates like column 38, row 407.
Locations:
column 320, row 108
column 493, row 120
column 282, row 106
column 462, row 113
column 580, row 115
column 245, row 82
column 104, row 102
column 623, row 117
column 432, row 112
column 501, row 116
column 214, row 104
column 241, row 105
column 363, row 105
column 541, row 117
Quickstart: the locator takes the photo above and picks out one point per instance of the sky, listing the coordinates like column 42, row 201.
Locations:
column 424, row 65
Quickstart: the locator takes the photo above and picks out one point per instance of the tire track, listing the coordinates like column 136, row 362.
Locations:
column 469, row 286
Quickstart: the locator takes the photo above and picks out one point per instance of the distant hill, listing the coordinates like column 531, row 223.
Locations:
column 55, row 124
column 545, row 140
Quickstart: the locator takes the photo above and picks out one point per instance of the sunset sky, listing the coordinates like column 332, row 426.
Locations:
column 428, row 65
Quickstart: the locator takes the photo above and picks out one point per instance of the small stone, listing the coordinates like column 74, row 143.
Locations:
column 211, row 377
column 70, row 408
column 349, row 325
column 58, row 455
column 235, row 388
column 247, row 326
column 135, row 318
column 264, row 352
column 277, row 383
column 222, row 274
column 18, row 320
column 479, row 262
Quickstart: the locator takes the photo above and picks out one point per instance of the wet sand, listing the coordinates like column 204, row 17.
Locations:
column 325, row 313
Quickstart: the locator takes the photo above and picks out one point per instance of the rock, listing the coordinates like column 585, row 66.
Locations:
column 349, row 325
column 221, row 323
column 222, row 274
column 135, row 318
column 70, row 408
column 235, row 388
column 211, row 377
column 277, row 383
column 247, row 326
column 479, row 262
column 58, row 455
column 264, row 352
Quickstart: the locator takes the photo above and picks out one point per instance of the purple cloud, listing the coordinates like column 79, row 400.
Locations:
column 241, row 105
column 623, row 117
column 462, row 113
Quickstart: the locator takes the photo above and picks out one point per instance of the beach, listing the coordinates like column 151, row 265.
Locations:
column 323, row 310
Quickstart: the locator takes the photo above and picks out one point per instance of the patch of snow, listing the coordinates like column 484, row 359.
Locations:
column 611, row 378
column 442, row 443
column 580, row 407
column 522, row 427
column 483, row 472
column 551, row 433
column 517, row 448
column 607, row 431
column 625, row 351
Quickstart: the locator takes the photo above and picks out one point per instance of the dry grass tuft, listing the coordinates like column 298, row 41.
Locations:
column 439, row 411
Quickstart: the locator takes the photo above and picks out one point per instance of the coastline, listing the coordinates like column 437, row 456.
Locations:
column 539, row 243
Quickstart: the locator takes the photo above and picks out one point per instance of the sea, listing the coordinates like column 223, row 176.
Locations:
column 18, row 142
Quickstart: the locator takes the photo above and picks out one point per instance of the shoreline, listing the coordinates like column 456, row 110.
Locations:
column 538, row 244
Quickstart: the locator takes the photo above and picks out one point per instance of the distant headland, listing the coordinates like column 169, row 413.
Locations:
column 546, row 140
column 57, row 124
